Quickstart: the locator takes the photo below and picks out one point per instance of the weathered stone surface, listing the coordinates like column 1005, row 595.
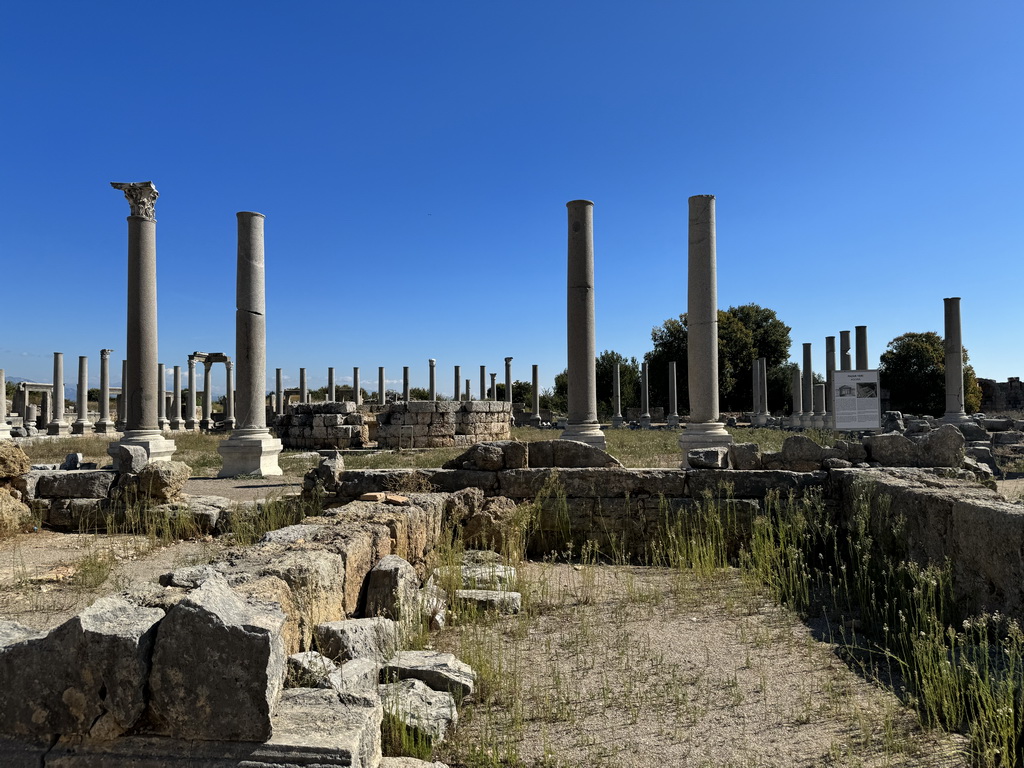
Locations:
column 488, row 526
column 751, row 484
column 482, row 456
column 14, row 514
column 163, row 480
column 130, row 458
column 77, row 514
column 428, row 714
column 745, row 456
column 308, row 669
column 568, row 453
column 496, row 600
column 800, row 448
column 715, row 457
column 853, row 450
column 480, row 575
column 1008, row 438
column 452, row 480
column 355, row 676
column 441, row 671
column 972, row 431
column 76, row 484
column 893, row 450
column 409, row 762
column 218, row 667
column 86, row 676
column 189, row 577
column 373, row 638
column 943, row 447
column 317, row 581
column 313, row 727
column 391, row 589
column 13, row 460
column 291, row 534
column 527, row 483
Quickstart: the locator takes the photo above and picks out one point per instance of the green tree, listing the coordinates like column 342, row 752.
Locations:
column 629, row 383
column 557, row 399
column 771, row 340
column 913, row 369
column 522, row 392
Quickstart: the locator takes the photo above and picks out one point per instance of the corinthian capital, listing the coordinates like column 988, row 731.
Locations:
column 141, row 195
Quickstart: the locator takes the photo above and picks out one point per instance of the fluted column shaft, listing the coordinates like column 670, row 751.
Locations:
column 381, row 386
column 617, row 398
column 229, row 397
column 796, row 390
column 161, row 396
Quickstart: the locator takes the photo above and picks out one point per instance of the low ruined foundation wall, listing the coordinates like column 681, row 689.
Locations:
column 416, row 424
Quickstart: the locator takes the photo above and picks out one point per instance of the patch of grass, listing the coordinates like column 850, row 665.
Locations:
column 199, row 451
column 53, row 450
column 247, row 525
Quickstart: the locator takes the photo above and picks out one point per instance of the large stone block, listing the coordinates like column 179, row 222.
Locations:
column 317, row 581
column 750, row 484
column 13, row 460
column 74, row 484
column 440, row 671
column 85, row 677
column 218, row 667
column 426, row 713
column 391, row 589
column 375, row 638
column 893, row 450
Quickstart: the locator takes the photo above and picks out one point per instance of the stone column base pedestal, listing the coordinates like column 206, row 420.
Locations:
column 190, row 425
column 617, row 422
column 205, row 425
column 228, row 423
column 58, row 428
column 955, row 418
column 105, row 427
column 672, row 421
column 535, row 421
column 806, row 420
column 702, row 435
column 177, row 425
column 759, row 420
column 819, row 421
column 250, row 452
column 5, row 430
column 590, row 434
column 81, row 428
column 157, row 447
column 645, row 422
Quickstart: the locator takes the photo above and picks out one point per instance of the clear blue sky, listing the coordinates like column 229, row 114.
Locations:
column 414, row 159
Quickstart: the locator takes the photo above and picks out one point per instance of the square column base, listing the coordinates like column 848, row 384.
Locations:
column 590, row 434
column 81, row 428
column 617, row 422
column 702, row 435
column 58, row 428
column 250, row 452
column 105, row 427
column 672, row 420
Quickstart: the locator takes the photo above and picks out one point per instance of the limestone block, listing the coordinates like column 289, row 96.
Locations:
column 568, row 453
column 270, row 589
column 331, row 419
column 451, row 480
column 481, row 575
column 972, row 431
column 163, row 480
column 426, row 713
column 391, row 589
column 76, row 484
column 357, row 676
column 801, row 449
column 356, row 419
column 893, row 450
column 13, row 460
column 997, row 425
column 527, row 483
column 494, row 600
column 375, row 638
column 1012, row 437
column 745, row 456
column 291, row 534
column 715, row 457
column 751, row 484
column 421, row 406
column 309, row 669
column 441, row 671
column 317, row 581
column 78, row 514
column 302, row 420
column 854, row 450
column 943, row 447
column 86, row 676
column 424, row 418
column 218, row 667
column 448, row 406
column 13, row 513
column 131, row 458
column 318, row 420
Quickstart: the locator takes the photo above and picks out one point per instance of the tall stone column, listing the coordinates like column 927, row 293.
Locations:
column 862, row 347
column 535, row 416
column 483, row 382
column 330, row 385
column 645, row 398
column 845, row 362
column 494, row 387
column 303, row 389
column 760, row 417
column 458, row 383
column 357, row 394
column 56, row 426
column 796, row 391
column 433, row 378
column 382, row 392
column 5, row 428
column 819, row 406
column 469, row 393
column 251, row 449
column 756, row 415
column 279, row 392
column 955, row 413
column 582, row 424
column 142, row 427
column 703, row 429
column 82, row 424
column 672, row 419
column 206, row 423
column 46, row 407
column 176, row 421
column 405, row 383
column 617, row 399
column 807, row 417
column 508, row 380
column 830, row 368
column 105, row 425
column 229, row 395
column 161, row 396
column 190, row 416
column 122, row 399
column 763, row 362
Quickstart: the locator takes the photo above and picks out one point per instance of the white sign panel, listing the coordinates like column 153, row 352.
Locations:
column 856, row 400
